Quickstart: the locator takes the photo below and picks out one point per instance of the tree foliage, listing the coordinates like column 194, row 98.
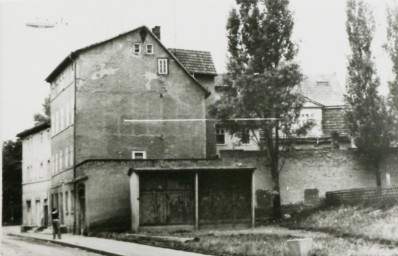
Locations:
column 38, row 117
column 392, row 48
column 367, row 117
column 261, row 77
column 12, row 181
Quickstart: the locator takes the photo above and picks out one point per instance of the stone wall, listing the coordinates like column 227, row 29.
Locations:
column 314, row 171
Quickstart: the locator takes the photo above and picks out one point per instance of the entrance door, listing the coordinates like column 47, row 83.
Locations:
column 38, row 213
column 166, row 199
column 82, row 210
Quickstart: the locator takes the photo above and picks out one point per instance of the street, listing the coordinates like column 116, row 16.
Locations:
column 16, row 246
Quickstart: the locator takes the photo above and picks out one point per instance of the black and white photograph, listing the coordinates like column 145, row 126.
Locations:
column 199, row 127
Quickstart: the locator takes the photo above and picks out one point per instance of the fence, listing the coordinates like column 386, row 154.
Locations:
column 363, row 196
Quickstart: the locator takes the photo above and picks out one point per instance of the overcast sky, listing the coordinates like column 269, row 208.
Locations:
column 28, row 55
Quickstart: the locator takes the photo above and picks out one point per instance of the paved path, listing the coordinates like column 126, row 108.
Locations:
column 103, row 246
column 17, row 246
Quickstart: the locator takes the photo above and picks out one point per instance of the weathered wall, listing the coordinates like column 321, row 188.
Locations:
column 115, row 85
column 107, row 186
column 37, row 194
column 35, row 176
column 209, row 83
column 322, row 169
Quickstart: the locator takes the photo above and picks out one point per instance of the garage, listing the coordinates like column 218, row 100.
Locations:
column 191, row 197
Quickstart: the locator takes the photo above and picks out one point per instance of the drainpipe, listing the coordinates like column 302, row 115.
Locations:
column 74, row 145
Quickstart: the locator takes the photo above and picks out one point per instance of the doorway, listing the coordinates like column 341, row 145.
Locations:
column 82, row 209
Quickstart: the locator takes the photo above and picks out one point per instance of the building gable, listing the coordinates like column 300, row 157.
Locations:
column 144, row 31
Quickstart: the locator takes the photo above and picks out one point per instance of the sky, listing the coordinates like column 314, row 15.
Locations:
column 28, row 55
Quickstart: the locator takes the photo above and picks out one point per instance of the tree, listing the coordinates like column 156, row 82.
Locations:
column 38, row 117
column 12, row 181
column 261, row 79
column 366, row 116
column 392, row 48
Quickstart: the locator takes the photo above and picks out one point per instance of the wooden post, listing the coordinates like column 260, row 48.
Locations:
column 253, row 201
column 135, row 203
column 196, row 201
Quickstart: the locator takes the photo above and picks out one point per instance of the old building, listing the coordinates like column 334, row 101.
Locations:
column 132, row 147
column 323, row 105
column 128, row 100
column 36, row 176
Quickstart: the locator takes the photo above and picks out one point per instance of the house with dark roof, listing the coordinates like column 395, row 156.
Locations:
column 120, row 106
column 36, row 175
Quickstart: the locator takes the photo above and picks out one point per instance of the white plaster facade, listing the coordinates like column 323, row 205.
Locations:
column 36, row 175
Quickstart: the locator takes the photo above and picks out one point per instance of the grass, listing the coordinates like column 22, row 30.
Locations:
column 376, row 223
column 257, row 243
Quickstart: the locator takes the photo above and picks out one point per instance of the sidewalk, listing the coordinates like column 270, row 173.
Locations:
column 102, row 246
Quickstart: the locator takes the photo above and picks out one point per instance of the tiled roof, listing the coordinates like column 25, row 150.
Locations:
column 197, row 62
column 324, row 89
column 35, row 129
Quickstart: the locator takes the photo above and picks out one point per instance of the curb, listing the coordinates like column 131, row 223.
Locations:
column 68, row 245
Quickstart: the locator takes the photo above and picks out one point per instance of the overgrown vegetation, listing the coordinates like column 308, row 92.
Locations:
column 256, row 243
column 12, row 182
column 374, row 223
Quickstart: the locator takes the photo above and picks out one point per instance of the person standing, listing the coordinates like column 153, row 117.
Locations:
column 56, row 227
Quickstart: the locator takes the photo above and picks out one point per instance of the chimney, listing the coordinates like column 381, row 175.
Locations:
column 156, row 31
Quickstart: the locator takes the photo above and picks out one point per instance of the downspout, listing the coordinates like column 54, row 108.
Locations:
column 74, row 145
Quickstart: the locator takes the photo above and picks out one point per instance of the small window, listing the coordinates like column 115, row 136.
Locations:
column 137, row 48
column 28, row 205
column 220, row 136
column 245, row 136
column 139, row 155
column 149, row 49
column 163, row 68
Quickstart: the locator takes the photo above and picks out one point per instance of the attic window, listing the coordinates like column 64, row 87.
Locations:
column 139, row 154
column 137, row 48
column 149, row 49
column 163, row 68
column 322, row 83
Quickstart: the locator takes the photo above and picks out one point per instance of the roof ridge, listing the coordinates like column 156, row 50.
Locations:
column 171, row 48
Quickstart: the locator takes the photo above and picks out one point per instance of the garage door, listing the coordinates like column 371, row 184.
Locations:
column 166, row 199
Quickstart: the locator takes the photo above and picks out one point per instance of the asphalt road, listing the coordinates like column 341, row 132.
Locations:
column 16, row 246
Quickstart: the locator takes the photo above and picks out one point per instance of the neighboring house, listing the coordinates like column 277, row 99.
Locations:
column 323, row 105
column 36, row 176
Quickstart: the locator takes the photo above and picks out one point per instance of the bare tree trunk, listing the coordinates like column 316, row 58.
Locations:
column 277, row 213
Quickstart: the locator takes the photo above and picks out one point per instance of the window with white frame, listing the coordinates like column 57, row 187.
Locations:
column 56, row 162
column 70, row 155
column 56, row 122
column 66, row 157
column 52, row 124
column 67, row 115
column 163, row 68
column 61, row 160
column 62, row 119
column 137, row 48
column 149, row 49
column 138, row 154
column 220, row 136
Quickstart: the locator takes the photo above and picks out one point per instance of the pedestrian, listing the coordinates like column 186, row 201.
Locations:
column 56, row 228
